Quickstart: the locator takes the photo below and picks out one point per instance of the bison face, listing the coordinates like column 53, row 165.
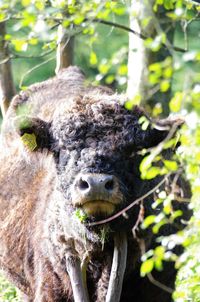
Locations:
column 95, row 147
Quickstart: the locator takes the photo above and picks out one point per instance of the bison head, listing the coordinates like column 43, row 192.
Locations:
column 95, row 144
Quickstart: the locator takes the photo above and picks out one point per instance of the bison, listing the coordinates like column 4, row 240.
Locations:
column 70, row 158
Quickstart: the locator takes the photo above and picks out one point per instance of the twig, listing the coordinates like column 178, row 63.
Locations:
column 121, row 26
column 159, row 284
column 118, row 268
column 139, row 220
column 139, row 35
column 32, row 69
column 16, row 56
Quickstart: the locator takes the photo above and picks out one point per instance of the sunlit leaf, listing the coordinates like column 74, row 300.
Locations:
column 176, row 102
column 93, row 58
column 171, row 165
column 146, row 267
column 164, row 85
column 25, row 2
column 135, row 101
column 104, row 68
column 109, row 79
column 122, row 70
column 20, row 45
column 148, row 221
column 152, row 172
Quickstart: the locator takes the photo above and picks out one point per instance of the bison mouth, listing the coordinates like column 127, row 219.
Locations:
column 98, row 207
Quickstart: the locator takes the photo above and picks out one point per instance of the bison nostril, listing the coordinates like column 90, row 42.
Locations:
column 109, row 185
column 83, row 185
column 95, row 184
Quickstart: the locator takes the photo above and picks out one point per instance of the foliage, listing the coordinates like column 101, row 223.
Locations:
column 8, row 292
column 102, row 52
column 32, row 34
column 184, row 101
column 188, row 288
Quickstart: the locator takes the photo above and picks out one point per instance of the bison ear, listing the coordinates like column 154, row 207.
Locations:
column 160, row 130
column 34, row 133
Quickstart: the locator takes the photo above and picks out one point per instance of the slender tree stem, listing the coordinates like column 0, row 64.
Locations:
column 7, row 89
column 65, row 48
column 118, row 268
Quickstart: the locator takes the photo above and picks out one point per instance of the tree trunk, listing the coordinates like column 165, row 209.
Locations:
column 65, row 49
column 7, row 89
column 140, row 57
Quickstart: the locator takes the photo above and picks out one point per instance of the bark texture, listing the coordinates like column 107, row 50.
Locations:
column 7, row 89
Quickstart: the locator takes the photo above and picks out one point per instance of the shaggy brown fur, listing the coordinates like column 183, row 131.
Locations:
column 81, row 132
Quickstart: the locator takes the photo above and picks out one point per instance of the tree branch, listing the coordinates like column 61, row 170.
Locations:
column 7, row 89
column 16, row 56
column 159, row 284
column 118, row 268
column 139, row 35
column 74, row 271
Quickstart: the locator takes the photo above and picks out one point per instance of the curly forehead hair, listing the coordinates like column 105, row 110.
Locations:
column 98, row 122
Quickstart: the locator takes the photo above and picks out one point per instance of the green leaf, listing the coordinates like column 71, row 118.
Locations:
column 93, row 58
column 33, row 41
column 152, row 172
column 40, row 5
column 119, row 10
column 167, row 72
column 156, row 67
column 144, row 122
column 81, row 215
column 146, row 267
column 2, row 16
column 176, row 214
column 25, row 3
column 104, row 68
column 20, row 45
column 164, row 85
column 158, row 264
column 135, row 101
column 159, row 251
column 176, row 102
column 109, row 79
column 148, row 221
column 157, row 226
column 157, row 109
column 171, row 165
column 78, row 20
column 122, row 70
